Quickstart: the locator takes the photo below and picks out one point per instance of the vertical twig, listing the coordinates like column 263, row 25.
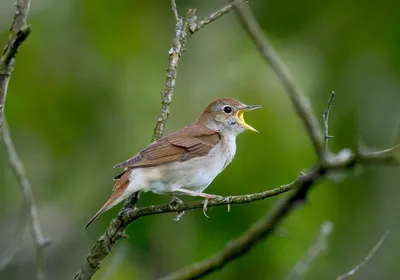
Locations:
column 19, row 172
column 367, row 258
column 325, row 117
column 18, row 33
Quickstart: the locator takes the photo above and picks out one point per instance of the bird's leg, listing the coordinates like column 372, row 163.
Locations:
column 174, row 199
column 175, row 202
column 206, row 197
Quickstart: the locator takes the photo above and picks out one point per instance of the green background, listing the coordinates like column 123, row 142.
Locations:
column 85, row 95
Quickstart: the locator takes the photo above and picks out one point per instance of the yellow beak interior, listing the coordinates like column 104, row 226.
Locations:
column 240, row 117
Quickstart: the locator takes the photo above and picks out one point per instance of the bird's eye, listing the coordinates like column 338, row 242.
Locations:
column 227, row 109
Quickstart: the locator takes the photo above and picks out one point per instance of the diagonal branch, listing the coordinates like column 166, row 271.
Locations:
column 367, row 258
column 35, row 228
column 18, row 33
column 317, row 248
column 299, row 101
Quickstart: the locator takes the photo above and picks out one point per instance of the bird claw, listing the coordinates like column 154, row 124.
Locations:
column 205, row 207
column 206, row 199
column 175, row 202
column 179, row 216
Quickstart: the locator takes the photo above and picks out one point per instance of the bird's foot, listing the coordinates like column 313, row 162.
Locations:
column 175, row 202
column 208, row 197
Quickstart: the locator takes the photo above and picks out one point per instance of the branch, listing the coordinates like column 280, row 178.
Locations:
column 317, row 248
column 325, row 117
column 19, row 172
column 18, row 33
column 367, row 258
column 299, row 101
column 183, row 31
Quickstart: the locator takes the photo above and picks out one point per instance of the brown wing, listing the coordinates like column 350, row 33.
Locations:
column 192, row 141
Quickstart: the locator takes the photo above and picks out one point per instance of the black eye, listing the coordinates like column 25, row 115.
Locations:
column 227, row 109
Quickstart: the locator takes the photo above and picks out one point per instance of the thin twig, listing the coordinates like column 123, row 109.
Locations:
column 316, row 249
column 19, row 172
column 325, row 117
column 367, row 258
column 16, row 243
column 299, row 101
column 174, row 10
column 216, row 15
column 18, row 33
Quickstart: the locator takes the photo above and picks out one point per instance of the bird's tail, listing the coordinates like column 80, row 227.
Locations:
column 119, row 194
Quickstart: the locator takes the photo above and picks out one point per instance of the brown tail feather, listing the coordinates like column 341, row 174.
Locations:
column 117, row 196
column 101, row 211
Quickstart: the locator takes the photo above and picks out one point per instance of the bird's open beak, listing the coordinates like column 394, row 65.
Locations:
column 239, row 115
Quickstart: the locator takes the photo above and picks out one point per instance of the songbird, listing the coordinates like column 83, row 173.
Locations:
column 186, row 161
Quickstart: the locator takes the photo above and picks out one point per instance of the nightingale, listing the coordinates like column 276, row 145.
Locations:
column 187, row 161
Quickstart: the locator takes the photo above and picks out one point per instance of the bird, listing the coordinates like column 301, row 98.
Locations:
column 184, row 162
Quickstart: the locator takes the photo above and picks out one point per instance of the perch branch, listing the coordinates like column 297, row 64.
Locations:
column 18, row 33
column 299, row 101
column 317, row 248
column 183, row 31
column 367, row 258
column 35, row 228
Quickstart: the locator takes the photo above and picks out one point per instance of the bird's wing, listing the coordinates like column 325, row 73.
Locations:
column 190, row 142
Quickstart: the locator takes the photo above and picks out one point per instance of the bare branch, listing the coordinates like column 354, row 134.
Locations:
column 367, row 258
column 19, row 172
column 325, row 117
column 18, row 33
column 317, row 248
column 299, row 101
column 15, row 243
column 174, row 10
column 216, row 15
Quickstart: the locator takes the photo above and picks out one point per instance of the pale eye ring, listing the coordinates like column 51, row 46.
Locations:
column 228, row 109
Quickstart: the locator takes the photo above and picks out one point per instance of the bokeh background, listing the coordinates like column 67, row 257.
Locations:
column 85, row 95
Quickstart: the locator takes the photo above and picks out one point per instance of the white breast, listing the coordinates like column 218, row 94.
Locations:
column 196, row 174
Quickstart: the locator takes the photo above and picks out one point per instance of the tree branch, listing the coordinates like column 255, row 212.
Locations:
column 19, row 172
column 299, row 101
column 116, row 230
column 317, row 248
column 367, row 258
column 18, row 33
column 325, row 117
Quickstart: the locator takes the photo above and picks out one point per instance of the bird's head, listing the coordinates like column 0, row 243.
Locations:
column 225, row 115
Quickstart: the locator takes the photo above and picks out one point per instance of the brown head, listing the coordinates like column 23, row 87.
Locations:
column 225, row 115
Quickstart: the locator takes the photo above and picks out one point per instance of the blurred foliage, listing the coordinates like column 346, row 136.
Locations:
column 85, row 95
